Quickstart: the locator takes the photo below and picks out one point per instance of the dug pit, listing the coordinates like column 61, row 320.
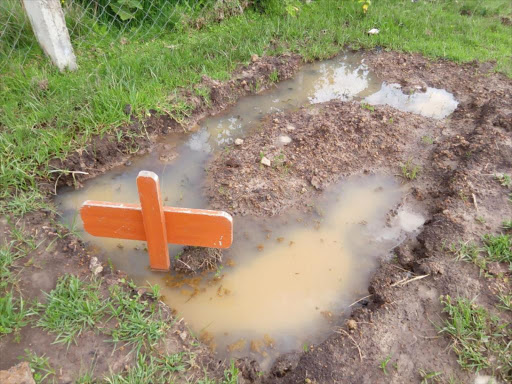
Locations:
column 287, row 280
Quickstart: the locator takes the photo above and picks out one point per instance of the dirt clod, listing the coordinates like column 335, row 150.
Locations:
column 19, row 374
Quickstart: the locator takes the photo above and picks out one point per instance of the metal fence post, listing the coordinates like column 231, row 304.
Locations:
column 49, row 26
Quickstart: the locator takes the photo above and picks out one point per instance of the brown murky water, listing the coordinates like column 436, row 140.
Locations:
column 288, row 275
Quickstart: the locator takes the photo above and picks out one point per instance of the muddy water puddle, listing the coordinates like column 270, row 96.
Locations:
column 288, row 279
column 285, row 279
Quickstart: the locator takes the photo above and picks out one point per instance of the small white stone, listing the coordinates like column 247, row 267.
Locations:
column 95, row 266
column 265, row 161
column 290, row 127
column 373, row 31
column 284, row 139
column 239, row 141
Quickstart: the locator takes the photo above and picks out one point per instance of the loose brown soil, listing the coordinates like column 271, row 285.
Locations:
column 458, row 157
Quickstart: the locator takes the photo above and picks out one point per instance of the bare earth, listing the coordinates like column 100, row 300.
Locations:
column 458, row 157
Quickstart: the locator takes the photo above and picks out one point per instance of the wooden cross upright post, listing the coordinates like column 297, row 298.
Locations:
column 157, row 225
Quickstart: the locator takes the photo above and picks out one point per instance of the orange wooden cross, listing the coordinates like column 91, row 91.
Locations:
column 157, row 225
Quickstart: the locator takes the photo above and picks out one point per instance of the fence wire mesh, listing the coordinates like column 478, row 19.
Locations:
column 92, row 22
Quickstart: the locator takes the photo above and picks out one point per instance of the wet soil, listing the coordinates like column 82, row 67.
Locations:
column 458, row 157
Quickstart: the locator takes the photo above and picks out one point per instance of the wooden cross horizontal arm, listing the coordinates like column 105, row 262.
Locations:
column 155, row 224
column 196, row 227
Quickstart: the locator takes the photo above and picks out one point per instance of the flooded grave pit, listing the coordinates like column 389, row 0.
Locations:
column 287, row 281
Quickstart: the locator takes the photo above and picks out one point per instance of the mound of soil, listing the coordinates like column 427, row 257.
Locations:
column 458, row 157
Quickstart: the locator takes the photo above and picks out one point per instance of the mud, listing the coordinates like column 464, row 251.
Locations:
column 458, row 156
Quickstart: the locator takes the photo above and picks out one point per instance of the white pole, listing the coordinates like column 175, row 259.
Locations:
column 49, row 26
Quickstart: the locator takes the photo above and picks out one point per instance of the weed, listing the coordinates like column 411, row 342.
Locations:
column 231, row 374
column 305, row 347
column 86, row 377
column 410, row 171
column 173, row 363
column 368, row 107
column 274, row 76
column 178, row 255
column 504, row 179
column 204, row 93
column 145, row 370
column 139, row 323
column 429, row 377
column 206, row 379
column 218, row 271
column 8, row 255
column 465, row 251
column 507, row 225
column 427, row 140
column 480, row 341
column 155, row 291
column 498, row 247
column 384, row 363
column 13, row 314
column 110, row 265
column 39, row 365
column 480, row 220
column 153, row 369
column 280, row 163
column 463, row 196
column 505, row 301
column 70, row 308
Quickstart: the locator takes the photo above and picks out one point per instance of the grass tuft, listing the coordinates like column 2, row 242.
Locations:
column 410, row 171
column 139, row 322
column 13, row 314
column 498, row 247
column 480, row 341
column 72, row 307
column 40, row 367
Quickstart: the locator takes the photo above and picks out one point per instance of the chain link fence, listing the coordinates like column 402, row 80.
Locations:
column 91, row 22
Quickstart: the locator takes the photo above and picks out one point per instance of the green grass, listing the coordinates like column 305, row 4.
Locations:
column 505, row 301
column 481, row 341
column 504, row 179
column 72, row 307
column 8, row 255
column 40, row 367
column 384, row 364
column 19, row 247
column 148, row 369
column 45, row 114
column 468, row 251
column 165, row 369
column 14, row 314
column 428, row 377
column 498, row 247
column 139, row 322
column 410, row 171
